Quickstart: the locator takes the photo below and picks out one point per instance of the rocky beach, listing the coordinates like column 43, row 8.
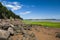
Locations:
column 12, row 27
column 17, row 30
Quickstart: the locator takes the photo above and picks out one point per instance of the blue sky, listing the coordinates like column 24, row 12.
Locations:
column 34, row 9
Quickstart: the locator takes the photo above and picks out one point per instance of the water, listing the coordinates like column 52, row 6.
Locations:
column 42, row 20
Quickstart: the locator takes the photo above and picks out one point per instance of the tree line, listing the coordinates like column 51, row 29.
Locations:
column 7, row 14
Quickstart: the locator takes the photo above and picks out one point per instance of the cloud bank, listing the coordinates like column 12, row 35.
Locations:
column 26, row 12
column 12, row 5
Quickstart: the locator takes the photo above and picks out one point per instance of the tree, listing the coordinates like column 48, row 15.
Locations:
column 5, row 13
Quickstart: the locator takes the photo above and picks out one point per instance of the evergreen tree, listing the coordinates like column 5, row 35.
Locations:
column 5, row 13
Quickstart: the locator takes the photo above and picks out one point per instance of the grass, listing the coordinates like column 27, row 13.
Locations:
column 45, row 23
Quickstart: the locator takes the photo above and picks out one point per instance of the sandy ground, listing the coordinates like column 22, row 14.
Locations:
column 45, row 33
column 41, row 33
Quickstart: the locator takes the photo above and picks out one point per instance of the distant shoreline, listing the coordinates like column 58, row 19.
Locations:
column 50, row 20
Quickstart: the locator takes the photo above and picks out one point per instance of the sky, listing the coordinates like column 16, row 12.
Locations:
column 34, row 9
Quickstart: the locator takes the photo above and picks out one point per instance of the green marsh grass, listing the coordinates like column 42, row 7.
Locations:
column 44, row 23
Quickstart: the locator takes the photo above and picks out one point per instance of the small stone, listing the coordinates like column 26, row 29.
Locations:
column 58, row 35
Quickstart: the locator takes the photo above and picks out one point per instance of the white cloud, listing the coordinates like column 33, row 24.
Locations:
column 15, row 3
column 26, row 12
column 12, row 5
column 9, row 6
column 16, row 7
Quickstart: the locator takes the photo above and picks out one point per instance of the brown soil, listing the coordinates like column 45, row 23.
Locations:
column 42, row 33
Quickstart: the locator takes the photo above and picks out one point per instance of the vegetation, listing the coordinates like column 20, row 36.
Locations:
column 45, row 23
column 5, row 13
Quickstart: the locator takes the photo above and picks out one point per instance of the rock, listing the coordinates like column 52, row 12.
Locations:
column 10, row 38
column 0, row 26
column 12, row 25
column 27, row 27
column 5, row 27
column 17, row 29
column 58, row 35
column 4, row 35
column 10, row 29
column 23, row 31
column 32, row 37
column 23, row 38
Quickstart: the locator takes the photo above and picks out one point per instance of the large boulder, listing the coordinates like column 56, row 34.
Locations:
column 11, row 30
column 5, row 27
column 4, row 34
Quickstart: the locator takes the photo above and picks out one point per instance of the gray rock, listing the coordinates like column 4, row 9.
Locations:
column 24, row 38
column 10, row 38
column 23, row 31
column 12, row 25
column 58, row 35
column 10, row 29
column 32, row 37
column 4, row 34
column 5, row 27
